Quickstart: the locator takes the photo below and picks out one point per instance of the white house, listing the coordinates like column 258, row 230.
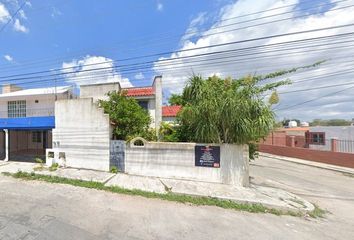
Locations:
column 34, row 120
column 26, row 120
column 83, row 132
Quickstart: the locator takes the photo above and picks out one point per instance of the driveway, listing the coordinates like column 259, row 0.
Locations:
column 38, row 210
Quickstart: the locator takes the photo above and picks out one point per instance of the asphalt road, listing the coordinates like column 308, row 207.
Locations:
column 37, row 210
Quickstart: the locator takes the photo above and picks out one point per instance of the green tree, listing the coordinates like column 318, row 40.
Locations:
column 227, row 111
column 175, row 99
column 128, row 118
column 330, row 122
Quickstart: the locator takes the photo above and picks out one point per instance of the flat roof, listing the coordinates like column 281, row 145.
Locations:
column 36, row 91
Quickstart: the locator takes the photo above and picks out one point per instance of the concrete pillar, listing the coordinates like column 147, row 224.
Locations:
column 292, row 141
column 157, row 85
column 6, row 145
column 334, row 144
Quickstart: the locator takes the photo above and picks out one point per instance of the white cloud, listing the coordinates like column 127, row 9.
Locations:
column 81, row 72
column 175, row 72
column 22, row 14
column 159, row 6
column 8, row 58
column 4, row 13
column 139, row 76
column 19, row 27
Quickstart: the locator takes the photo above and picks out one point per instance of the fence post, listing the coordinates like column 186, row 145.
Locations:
column 334, row 144
column 292, row 141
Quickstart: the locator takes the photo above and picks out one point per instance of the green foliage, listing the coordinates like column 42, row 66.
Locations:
column 54, row 167
column 330, row 122
column 168, row 133
column 253, row 151
column 148, row 135
column 40, row 165
column 113, row 169
column 225, row 110
column 39, row 160
column 175, row 99
column 274, row 98
column 128, row 118
column 169, row 196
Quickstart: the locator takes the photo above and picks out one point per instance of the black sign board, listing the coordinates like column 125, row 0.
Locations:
column 207, row 156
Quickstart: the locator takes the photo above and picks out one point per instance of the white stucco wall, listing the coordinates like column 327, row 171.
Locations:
column 82, row 131
column 177, row 160
column 98, row 91
column 44, row 107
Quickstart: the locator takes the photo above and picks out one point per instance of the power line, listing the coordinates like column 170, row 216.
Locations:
column 314, row 99
column 245, row 27
column 316, row 88
column 12, row 16
column 185, row 50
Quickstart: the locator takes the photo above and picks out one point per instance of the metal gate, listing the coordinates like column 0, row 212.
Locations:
column 117, row 154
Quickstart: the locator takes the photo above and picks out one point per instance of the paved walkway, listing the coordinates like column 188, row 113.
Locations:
column 309, row 163
column 267, row 196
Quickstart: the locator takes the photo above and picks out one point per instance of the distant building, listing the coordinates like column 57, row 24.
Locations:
column 169, row 113
column 320, row 137
column 292, row 124
column 304, row 124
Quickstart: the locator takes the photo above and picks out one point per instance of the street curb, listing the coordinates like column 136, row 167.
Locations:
column 310, row 163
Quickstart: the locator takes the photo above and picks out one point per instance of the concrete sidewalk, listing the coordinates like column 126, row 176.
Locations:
column 267, row 196
column 309, row 163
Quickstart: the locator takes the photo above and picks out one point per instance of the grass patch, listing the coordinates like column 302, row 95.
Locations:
column 181, row 198
column 317, row 212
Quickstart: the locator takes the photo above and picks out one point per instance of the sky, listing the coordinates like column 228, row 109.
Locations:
column 133, row 41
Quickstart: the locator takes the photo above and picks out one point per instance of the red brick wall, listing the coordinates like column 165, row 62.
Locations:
column 300, row 141
column 335, row 158
column 276, row 138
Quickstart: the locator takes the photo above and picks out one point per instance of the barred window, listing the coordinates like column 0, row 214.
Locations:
column 36, row 136
column 16, row 109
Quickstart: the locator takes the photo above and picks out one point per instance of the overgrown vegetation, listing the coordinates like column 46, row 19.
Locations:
column 113, row 169
column 227, row 110
column 317, row 212
column 175, row 99
column 199, row 201
column 217, row 110
column 40, row 164
column 127, row 116
column 54, row 167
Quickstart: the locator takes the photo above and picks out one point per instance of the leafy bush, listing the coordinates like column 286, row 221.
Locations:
column 54, row 167
column 126, row 115
column 114, row 169
column 168, row 133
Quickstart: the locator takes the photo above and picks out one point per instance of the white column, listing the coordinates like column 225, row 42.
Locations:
column 158, row 102
column 6, row 145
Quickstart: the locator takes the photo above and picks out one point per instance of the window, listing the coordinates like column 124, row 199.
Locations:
column 37, row 136
column 16, row 109
column 144, row 104
column 317, row 138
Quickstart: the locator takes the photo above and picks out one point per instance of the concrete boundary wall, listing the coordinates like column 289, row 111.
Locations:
column 177, row 161
column 82, row 131
column 334, row 158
